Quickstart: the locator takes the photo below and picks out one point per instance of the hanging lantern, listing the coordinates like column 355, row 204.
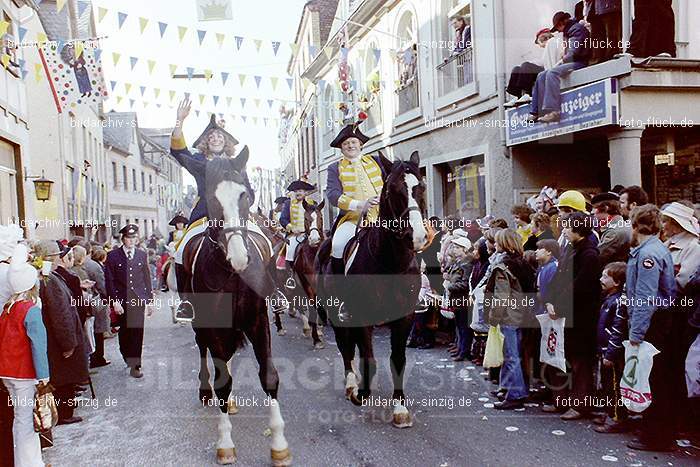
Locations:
column 42, row 187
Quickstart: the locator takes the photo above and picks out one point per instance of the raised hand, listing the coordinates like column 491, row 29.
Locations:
column 183, row 110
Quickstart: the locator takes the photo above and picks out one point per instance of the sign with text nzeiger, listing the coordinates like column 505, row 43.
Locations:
column 589, row 106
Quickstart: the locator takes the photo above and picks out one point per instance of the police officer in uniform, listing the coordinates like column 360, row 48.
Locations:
column 128, row 283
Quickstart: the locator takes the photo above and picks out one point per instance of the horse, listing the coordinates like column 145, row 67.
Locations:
column 230, row 280
column 303, row 267
column 381, row 283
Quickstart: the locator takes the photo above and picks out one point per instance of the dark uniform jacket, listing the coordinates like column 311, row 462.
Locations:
column 128, row 280
column 612, row 327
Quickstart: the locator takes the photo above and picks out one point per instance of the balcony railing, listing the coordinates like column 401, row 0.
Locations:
column 456, row 72
column 407, row 95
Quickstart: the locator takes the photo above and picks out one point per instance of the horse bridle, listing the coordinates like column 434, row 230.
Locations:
column 221, row 235
column 402, row 232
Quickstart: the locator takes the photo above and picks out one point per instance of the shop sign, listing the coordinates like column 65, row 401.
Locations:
column 589, row 106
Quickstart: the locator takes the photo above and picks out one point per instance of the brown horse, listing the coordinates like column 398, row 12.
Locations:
column 229, row 265
column 303, row 267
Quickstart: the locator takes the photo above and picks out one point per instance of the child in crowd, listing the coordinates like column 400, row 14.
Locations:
column 612, row 330
column 457, row 285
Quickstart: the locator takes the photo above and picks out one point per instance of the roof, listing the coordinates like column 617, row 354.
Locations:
column 158, row 136
column 118, row 130
column 326, row 12
column 56, row 24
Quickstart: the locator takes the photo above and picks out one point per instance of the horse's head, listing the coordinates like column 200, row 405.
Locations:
column 229, row 198
column 313, row 222
column 403, row 200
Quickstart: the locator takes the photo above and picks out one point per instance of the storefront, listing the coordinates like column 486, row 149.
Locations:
column 463, row 183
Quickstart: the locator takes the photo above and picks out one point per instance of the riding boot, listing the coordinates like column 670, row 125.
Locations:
column 185, row 310
column 337, row 266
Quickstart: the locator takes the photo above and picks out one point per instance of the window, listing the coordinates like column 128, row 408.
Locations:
column 143, row 182
column 456, row 67
column 150, row 184
column 369, row 98
column 9, row 46
column 407, row 63
column 125, row 178
column 133, row 176
column 464, row 187
column 115, row 181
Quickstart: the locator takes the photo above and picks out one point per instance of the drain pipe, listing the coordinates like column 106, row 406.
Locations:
column 500, row 45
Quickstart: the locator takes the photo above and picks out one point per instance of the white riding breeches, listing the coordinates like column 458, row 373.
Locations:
column 252, row 227
column 294, row 240
column 343, row 233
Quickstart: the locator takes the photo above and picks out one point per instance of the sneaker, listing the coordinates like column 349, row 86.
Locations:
column 611, row 426
column 571, row 414
column 509, row 405
column 624, row 54
column 69, row 421
column 524, row 99
column 641, row 445
column 550, row 408
column 511, row 103
column 532, row 118
column 551, row 117
column 664, row 55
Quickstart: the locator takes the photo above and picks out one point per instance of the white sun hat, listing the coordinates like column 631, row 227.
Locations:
column 10, row 235
column 21, row 275
column 684, row 215
column 462, row 241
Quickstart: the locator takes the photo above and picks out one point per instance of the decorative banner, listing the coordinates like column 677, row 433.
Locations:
column 151, row 66
column 73, row 81
column 258, row 44
column 201, row 33
column 143, row 22
column 101, row 13
column 122, row 18
column 275, row 47
column 239, row 42
column 60, row 4
column 224, row 77
column 214, row 10
column 220, row 39
column 182, row 30
column 162, row 26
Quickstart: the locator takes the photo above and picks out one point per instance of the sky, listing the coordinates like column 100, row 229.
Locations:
column 269, row 20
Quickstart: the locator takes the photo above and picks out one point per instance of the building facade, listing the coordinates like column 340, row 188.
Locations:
column 419, row 95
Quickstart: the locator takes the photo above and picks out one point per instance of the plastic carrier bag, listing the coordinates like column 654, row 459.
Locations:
column 634, row 385
column 493, row 355
column 552, row 342
column 692, row 369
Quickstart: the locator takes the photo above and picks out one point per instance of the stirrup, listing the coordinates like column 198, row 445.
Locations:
column 343, row 316
column 184, row 312
column 278, row 302
column 291, row 283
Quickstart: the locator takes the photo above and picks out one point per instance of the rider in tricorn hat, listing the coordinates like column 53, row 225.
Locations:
column 354, row 185
column 292, row 217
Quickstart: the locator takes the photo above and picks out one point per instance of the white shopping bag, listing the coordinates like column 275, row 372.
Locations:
column 552, row 342
column 89, row 330
column 692, row 369
column 634, row 385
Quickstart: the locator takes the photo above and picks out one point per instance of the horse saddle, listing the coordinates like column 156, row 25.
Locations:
column 353, row 244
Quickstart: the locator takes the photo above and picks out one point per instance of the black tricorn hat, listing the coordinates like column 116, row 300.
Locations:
column 350, row 131
column 300, row 185
column 130, row 230
column 281, row 200
column 214, row 125
column 179, row 219
column 608, row 196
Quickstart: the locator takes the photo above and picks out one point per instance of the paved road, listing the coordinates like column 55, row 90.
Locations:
column 158, row 420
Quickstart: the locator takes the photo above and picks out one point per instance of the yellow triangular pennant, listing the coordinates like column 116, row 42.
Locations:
column 228, row 101
column 172, row 95
column 151, row 66
column 255, row 120
column 143, row 22
column 101, row 13
column 182, row 30
column 208, row 74
column 127, row 87
column 273, row 82
column 115, row 57
column 258, row 44
column 295, row 48
column 242, row 78
column 41, row 38
column 156, row 92
column 201, row 99
column 173, row 69
column 5, row 59
column 220, row 39
column 3, row 27
column 329, row 52
column 37, row 71
column 119, row 99
column 257, row 103
column 79, row 48
column 145, row 104
column 60, row 4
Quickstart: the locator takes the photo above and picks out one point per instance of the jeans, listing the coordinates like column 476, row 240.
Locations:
column 512, row 379
column 27, row 448
column 546, row 95
column 522, row 79
column 465, row 335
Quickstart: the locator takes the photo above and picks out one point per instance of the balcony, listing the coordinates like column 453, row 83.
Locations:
column 456, row 72
column 374, row 115
column 407, row 95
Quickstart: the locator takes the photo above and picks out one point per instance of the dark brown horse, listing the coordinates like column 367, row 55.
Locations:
column 229, row 266
column 381, row 283
column 303, row 267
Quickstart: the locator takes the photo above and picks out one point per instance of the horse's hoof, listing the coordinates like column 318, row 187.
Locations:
column 205, row 397
column 232, row 407
column 292, row 313
column 355, row 397
column 281, row 458
column 282, row 332
column 226, row 456
column 319, row 345
column 319, row 330
column 402, row 418
column 306, row 332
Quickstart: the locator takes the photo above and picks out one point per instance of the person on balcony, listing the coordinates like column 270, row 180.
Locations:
column 605, row 18
column 546, row 95
column 463, row 36
column 653, row 29
column 523, row 77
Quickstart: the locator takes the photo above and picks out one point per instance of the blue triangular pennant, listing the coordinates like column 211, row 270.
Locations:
column 143, row 90
column 313, row 50
column 24, row 73
column 322, row 85
column 216, row 100
column 132, row 102
column 98, row 54
column 258, row 79
column 270, row 102
column 224, row 77
column 122, row 18
column 22, row 33
column 187, row 95
column 290, row 83
column 377, row 54
column 190, row 72
column 239, row 42
column 196, row 112
column 275, row 47
column 163, row 27
column 244, row 118
column 344, row 53
column 113, row 84
column 202, row 34
column 133, row 60
column 242, row 102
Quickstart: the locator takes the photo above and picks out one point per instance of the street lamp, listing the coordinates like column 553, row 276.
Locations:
column 42, row 186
